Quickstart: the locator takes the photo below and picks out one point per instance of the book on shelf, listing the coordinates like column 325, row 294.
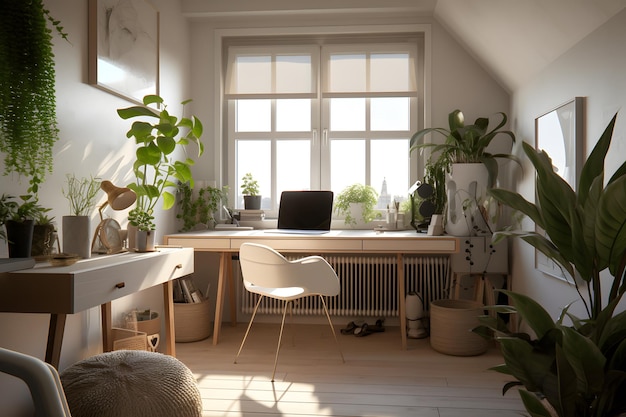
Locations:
column 190, row 293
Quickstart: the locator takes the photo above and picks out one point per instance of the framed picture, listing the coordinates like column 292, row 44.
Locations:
column 560, row 133
column 124, row 47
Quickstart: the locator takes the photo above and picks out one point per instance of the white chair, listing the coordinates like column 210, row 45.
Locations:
column 269, row 274
column 42, row 379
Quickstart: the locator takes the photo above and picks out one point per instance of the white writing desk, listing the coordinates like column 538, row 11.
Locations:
column 91, row 282
column 227, row 242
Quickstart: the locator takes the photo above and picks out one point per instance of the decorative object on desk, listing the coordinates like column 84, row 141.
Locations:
column 81, row 195
column 63, row 259
column 198, row 206
column 251, row 215
column 466, row 185
column 107, row 238
column 157, row 135
column 29, row 129
column 18, row 219
column 250, row 191
column 44, row 235
column 586, row 237
column 422, row 208
column 356, row 203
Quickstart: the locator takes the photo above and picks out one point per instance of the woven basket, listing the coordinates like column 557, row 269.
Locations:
column 451, row 324
column 192, row 321
column 125, row 339
column 152, row 326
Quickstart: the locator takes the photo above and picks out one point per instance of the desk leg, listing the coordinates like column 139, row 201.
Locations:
column 219, row 302
column 107, row 337
column 231, row 291
column 55, row 339
column 168, row 307
column 401, row 299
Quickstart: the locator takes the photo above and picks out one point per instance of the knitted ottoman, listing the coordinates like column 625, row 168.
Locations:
column 131, row 383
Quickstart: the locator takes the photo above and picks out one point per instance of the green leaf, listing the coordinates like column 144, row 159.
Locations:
column 611, row 225
column 565, row 397
column 532, row 313
column 533, row 405
column 136, row 111
column 168, row 200
column 586, row 360
column 149, row 155
column 517, row 202
column 594, row 165
column 167, row 145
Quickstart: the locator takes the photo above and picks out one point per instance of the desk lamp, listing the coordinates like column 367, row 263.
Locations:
column 107, row 238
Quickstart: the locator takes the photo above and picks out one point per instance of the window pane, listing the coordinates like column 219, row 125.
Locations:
column 293, row 74
column 293, row 115
column 390, row 72
column 347, row 114
column 293, row 165
column 390, row 113
column 347, row 163
column 254, row 74
column 390, row 164
column 254, row 156
column 253, row 115
column 347, row 73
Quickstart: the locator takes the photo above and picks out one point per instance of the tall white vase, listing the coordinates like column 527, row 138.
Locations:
column 466, row 184
column 77, row 235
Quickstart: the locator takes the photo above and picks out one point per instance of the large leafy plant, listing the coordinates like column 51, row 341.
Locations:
column 578, row 369
column 156, row 168
column 466, row 143
column 357, row 194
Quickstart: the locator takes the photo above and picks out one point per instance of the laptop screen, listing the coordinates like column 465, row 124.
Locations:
column 305, row 210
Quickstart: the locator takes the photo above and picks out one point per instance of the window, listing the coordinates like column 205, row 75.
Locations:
column 322, row 116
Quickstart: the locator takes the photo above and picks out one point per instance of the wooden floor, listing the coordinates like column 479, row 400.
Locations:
column 377, row 378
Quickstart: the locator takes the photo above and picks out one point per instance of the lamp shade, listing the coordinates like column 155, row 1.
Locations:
column 119, row 198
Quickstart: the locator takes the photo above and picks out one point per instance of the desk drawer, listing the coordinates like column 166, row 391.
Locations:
column 100, row 286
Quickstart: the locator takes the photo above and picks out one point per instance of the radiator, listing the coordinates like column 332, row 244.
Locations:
column 369, row 286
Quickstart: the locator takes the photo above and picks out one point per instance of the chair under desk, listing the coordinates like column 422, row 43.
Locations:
column 228, row 242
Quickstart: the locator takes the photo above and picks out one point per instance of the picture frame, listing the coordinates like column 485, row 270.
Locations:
column 560, row 133
column 124, row 48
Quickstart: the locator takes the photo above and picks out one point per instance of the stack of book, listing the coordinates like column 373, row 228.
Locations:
column 251, row 215
column 186, row 292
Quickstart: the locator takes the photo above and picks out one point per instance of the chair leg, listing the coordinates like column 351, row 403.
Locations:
column 332, row 329
column 280, row 336
column 245, row 336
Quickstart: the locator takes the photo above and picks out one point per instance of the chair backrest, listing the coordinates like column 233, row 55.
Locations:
column 42, row 379
column 263, row 266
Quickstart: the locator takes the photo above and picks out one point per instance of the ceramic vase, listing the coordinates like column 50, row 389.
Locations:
column 77, row 235
column 145, row 240
column 466, row 185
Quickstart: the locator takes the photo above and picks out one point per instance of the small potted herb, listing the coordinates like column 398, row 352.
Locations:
column 19, row 221
column 81, row 196
column 250, row 191
column 356, row 202
column 197, row 207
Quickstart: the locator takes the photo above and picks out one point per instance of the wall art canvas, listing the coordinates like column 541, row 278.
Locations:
column 124, row 47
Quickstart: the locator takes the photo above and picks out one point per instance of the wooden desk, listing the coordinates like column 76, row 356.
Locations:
column 337, row 241
column 91, row 282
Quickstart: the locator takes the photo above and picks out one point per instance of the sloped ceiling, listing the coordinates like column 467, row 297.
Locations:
column 516, row 39
column 512, row 39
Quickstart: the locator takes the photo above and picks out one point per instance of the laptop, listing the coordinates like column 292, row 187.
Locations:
column 305, row 212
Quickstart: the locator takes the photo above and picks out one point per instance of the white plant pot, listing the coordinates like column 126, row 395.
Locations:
column 77, row 235
column 145, row 240
column 466, row 183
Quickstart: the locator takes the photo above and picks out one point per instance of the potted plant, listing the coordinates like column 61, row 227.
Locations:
column 198, row 207
column 577, row 369
column 356, row 202
column 28, row 130
column 81, row 196
column 250, row 192
column 19, row 222
column 158, row 134
column 471, row 168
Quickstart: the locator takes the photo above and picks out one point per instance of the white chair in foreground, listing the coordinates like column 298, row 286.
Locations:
column 269, row 274
column 42, row 379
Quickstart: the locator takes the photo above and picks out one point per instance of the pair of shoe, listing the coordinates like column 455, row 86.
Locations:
column 361, row 329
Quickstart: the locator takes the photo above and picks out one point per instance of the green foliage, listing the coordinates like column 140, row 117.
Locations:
column 249, row 186
column 81, row 194
column 466, row 143
column 27, row 209
column 356, row 193
column 435, row 175
column 580, row 369
column 200, row 209
column 28, row 125
column 156, row 169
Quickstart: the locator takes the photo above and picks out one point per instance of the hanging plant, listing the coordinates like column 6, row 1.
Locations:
column 28, row 125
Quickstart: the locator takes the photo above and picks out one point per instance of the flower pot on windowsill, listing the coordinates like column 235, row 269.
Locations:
column 252, row 202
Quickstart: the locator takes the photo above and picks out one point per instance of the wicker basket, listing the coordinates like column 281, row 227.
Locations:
column 192, row 321
column 451, row 324
column 152, row 326
column 126, row 339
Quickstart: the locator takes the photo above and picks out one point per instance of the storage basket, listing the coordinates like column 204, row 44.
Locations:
column 192, row 321
column 149, row 327
column 126, row 339
column 451, row 324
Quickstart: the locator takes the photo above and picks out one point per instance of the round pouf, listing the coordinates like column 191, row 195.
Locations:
column 131, row 383
column 451, row 324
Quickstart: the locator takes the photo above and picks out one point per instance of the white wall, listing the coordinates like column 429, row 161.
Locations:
column 92, row 142
column 594, row 69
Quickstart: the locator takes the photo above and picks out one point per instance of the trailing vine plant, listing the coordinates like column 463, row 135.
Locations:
column 28, row 123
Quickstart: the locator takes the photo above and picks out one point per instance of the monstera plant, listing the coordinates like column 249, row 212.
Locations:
column 576, row 369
